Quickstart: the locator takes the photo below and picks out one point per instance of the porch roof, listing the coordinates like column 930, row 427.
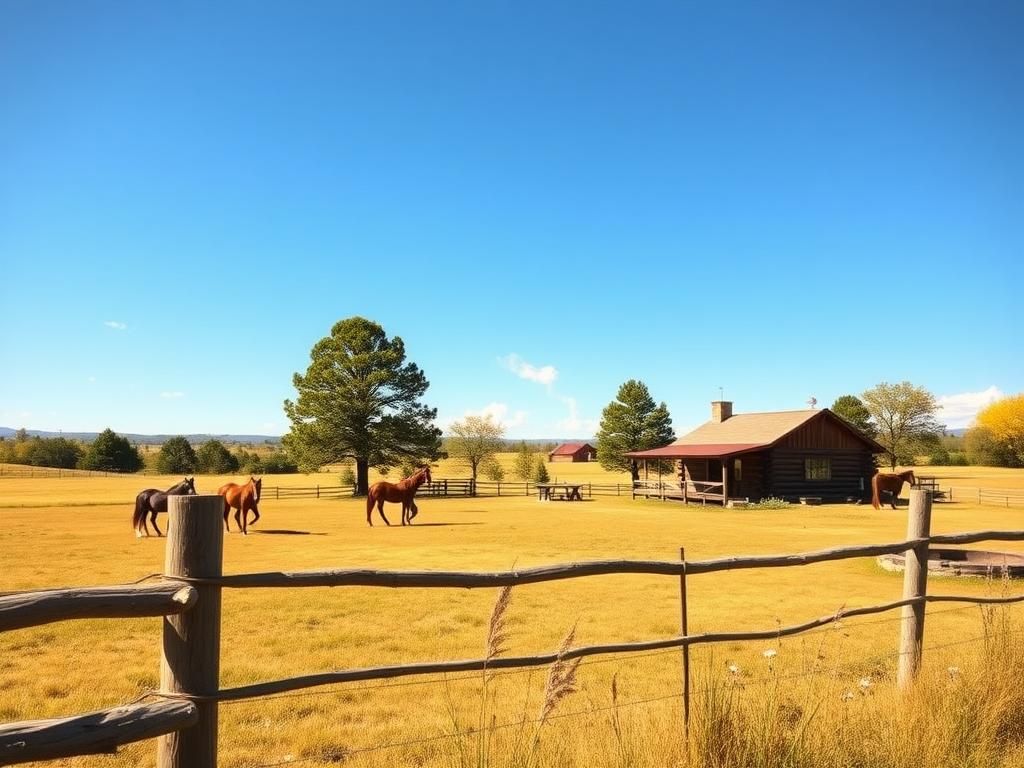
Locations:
column 697, row 450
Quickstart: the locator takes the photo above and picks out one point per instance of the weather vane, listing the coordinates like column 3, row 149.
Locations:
column 813, row 401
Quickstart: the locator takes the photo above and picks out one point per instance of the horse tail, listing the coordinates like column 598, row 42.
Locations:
column 140, row 511
column 875, row 501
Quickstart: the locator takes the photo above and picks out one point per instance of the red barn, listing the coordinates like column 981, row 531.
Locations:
column 573, row 452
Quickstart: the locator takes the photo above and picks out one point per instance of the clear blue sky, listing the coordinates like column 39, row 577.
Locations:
column 779, row 199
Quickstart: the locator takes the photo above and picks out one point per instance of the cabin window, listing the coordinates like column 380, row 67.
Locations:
column 817, row 469
column 737, row 470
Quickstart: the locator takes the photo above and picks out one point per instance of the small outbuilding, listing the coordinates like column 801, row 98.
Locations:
column 808, row 454
column 573, row 452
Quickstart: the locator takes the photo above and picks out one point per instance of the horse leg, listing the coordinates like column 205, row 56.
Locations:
column 413, row 510
column 256, row 512
column 893, row 494
column 155, row 526
column 380, row 510
column 227, row 515
column 238, row 520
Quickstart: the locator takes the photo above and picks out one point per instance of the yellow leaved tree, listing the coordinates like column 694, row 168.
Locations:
column 1004, row 420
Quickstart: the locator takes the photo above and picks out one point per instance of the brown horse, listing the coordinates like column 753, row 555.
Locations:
column 891, row 483
column 242, row 498
column 403, row 492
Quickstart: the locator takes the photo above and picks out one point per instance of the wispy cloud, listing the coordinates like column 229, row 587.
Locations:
column 545, row 374
column 500, row 413
column 172, row 395
column 573, row 422
column 959, row 410
column 115, row 325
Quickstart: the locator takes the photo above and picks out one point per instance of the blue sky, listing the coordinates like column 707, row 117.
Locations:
column 779, row 199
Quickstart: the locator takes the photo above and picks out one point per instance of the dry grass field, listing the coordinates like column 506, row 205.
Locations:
column 791, row 709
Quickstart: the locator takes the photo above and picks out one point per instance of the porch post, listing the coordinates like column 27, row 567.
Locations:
column 725, row 481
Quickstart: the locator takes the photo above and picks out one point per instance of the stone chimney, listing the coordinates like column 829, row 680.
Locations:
column 720, row 410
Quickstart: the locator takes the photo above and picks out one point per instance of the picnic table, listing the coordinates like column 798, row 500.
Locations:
column 569, row 491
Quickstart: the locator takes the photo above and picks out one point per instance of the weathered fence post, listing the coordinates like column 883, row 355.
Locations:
column 190, row 662
column 915, row 585
column 684, row 626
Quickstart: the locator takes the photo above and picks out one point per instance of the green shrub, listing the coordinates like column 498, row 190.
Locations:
column 493, row 471
column 771, row 502
column 279, row 463
column 540, row 472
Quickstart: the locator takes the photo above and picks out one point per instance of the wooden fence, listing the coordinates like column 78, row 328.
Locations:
column 459, row 487
column 184, row 714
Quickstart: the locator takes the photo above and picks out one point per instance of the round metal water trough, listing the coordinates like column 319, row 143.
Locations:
column 949, row 561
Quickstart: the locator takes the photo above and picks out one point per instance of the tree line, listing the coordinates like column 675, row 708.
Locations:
column 360, row 402
column 111, row 452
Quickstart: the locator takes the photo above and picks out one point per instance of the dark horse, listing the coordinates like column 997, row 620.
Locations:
column 241, row 498
column 403, row 492
column 152, row 500
column 891, row 483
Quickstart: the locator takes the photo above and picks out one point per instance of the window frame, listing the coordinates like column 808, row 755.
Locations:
column 817, row 469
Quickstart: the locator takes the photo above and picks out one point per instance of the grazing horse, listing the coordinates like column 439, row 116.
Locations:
column 403, row 492
column 242, row 498
column 892, row 483
column 152, row 500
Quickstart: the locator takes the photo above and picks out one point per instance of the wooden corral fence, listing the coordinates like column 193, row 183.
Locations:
column 458, row 487
column 184, row 712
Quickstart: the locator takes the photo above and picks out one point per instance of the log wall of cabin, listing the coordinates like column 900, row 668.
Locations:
column 850, row 474
column 851, row 459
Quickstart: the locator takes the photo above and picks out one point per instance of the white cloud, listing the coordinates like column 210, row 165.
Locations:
column 91, row 379
column 172, row 395
column 115, row 325
column 500, row 413
column 573, row 422
column 545, row 374
column 960, row 409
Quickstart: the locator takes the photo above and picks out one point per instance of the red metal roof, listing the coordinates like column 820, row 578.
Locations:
column 568, row 449
column 711, row 450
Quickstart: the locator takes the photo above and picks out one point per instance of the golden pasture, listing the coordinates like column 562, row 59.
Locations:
column 71, row 667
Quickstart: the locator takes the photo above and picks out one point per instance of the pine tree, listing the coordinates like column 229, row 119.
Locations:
column 359, row 399
column 632, row 422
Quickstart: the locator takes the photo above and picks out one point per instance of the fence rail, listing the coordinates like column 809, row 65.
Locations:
column 94, row 733
column 187, row 712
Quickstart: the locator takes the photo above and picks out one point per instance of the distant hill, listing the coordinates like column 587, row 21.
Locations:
column 149, row 439
column 196, row 438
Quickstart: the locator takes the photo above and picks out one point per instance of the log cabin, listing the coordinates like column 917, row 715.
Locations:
column 792, row 455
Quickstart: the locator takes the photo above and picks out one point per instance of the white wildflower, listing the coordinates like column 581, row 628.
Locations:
column 953, row 671
column 865, row 683
column 847, row 696
column 770, row 653
column 733, row 669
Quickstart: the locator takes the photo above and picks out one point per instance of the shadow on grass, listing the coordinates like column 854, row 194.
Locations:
column 435, row 525
column 285, row 532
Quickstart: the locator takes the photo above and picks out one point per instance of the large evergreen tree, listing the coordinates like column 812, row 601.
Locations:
column 852, row 410
column 111, row 453
column 359, row 399
column 632, row 422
